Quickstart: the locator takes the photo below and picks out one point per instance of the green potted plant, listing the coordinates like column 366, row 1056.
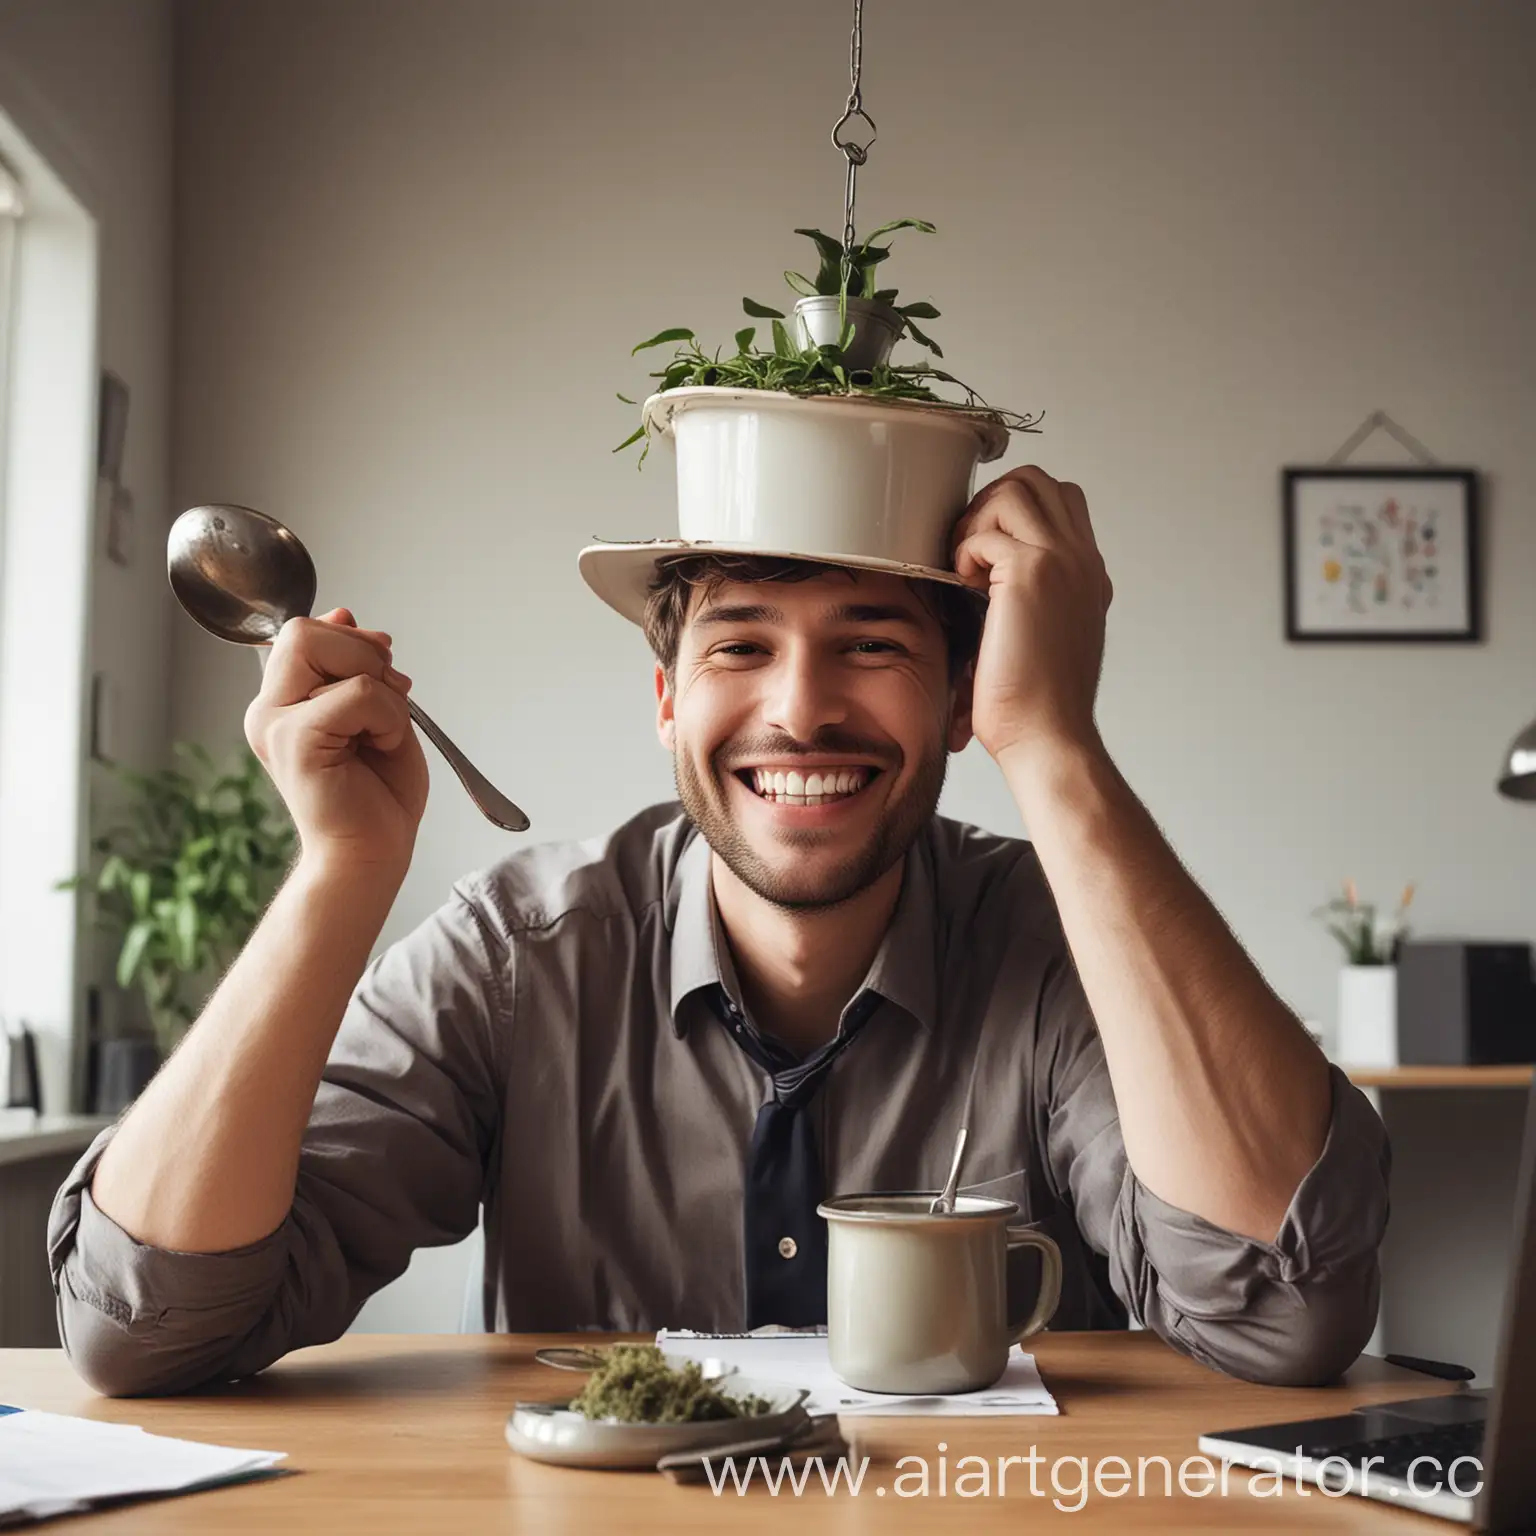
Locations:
column 818, row 446
column 1367, row 1033
column 837, row 343
column 845, row 292
column 184, row 877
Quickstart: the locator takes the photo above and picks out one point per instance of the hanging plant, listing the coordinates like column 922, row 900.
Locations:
column 856, row 277
column 836, row 341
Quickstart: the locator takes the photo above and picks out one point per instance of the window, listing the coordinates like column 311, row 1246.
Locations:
column 12, row 206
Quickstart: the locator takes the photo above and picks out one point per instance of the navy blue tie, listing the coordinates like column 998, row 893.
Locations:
column 784, row 1240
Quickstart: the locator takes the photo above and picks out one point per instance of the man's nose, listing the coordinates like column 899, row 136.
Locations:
column 803, row 695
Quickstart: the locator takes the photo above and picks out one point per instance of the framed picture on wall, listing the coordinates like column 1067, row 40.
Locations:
column 1381, row 554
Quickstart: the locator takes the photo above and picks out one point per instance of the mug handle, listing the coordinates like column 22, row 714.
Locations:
column 1050, row 1279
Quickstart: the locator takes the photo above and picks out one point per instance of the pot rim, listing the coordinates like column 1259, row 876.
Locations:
column 868, row 306
column 839, row 1209
column 660, row 409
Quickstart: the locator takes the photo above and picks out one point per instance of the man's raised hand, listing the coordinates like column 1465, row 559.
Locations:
column 332, row 726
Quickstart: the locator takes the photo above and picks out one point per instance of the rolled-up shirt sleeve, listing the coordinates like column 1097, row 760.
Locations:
column 393, row 1159
column 1296, row 1310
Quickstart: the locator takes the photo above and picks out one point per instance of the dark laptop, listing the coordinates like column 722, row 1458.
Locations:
column 1468, row 1456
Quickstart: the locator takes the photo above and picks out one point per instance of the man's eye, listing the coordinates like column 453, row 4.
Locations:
column 737, row 648
column 874, row 647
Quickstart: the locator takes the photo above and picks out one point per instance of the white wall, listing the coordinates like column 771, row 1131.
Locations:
column 416, row 240
column 88, row 82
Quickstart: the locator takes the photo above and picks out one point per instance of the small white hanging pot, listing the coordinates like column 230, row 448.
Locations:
column 877, row 328
column 847, row 479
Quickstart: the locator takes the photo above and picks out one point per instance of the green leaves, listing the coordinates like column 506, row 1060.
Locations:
column 921, row 225
column 677, row 333
column 131, row 956
column 185, row 877
column 821, row 370
column 829, row 277
column 924, row 341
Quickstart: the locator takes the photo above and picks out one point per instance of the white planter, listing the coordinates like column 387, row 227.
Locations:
column 876, row 328
column 1368, row 1016
column 879, row 481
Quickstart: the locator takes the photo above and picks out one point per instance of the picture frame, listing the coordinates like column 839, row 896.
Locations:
column 1389, row 554
column 111, row 427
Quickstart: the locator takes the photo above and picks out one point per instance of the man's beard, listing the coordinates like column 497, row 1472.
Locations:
column 899, row 824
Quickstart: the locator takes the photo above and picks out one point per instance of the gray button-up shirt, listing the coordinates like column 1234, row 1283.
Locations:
column 542, row 1048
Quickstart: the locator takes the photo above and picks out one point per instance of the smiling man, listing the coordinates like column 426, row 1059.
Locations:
column 649, row 1057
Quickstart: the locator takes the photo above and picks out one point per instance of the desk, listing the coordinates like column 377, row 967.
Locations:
column 404, row 1434
column 1440, row 1077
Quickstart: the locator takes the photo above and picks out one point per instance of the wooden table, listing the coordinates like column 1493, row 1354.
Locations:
column 1441, row 1077
column 404, row 1434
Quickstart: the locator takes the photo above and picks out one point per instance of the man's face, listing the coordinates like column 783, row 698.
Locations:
column 810, row 724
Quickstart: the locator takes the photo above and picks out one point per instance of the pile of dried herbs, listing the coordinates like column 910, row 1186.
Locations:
column 635, row 1385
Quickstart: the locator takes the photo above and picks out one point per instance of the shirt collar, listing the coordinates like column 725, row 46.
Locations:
column 701, row 959
column 905, row 968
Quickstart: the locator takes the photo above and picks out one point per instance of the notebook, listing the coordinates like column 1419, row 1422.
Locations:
column 800, row 1359
column 51, row 1464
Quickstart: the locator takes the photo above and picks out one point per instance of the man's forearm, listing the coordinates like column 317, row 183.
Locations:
column 1223, row 1098
column 208, row 1157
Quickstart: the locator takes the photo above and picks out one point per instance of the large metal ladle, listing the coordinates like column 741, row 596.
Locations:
column 242, row 575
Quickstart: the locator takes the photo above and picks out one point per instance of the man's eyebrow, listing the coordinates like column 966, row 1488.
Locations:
column 739, row 613
column 843, row 613
column 876, row 613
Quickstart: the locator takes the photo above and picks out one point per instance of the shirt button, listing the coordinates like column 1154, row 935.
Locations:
column 788, row 1248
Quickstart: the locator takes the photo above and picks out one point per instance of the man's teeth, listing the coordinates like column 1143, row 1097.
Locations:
column 818, row 787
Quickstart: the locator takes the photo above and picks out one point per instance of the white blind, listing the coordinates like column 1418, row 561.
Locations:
column 12, row 203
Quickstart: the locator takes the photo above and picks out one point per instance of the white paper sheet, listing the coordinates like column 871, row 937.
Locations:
column 800, row 1360
column 51, row 1464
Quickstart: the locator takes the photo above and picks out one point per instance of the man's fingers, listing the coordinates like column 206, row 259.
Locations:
column 1077, row 508
column 1026, row 502
column 1015, row 509
column 309, row 652
column 338, row 713
column 986, row 549
column 345, row 618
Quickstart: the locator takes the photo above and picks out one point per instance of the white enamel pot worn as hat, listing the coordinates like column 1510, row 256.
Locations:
column 874, row 484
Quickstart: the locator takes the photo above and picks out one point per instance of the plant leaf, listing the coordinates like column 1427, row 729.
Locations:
column 781, row 342
column 921, row 225
column 744, row 338
column 677, row 333
column 627, row 400
column 885, row 295
column 925, row 341
column 920, row 311
column 186, row 933
column 131, row 956
column 762, row 311
column 800, row 283
column 634, row 437
column 830, row 249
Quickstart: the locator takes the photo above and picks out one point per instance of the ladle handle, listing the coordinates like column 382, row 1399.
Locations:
column 494, row 805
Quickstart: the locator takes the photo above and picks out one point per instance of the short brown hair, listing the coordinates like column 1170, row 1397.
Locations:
column 958, row 610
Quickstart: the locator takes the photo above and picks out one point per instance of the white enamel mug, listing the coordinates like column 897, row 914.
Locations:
column 918, row 1303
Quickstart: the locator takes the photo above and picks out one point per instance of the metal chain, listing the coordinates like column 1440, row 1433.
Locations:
column 848, row 133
